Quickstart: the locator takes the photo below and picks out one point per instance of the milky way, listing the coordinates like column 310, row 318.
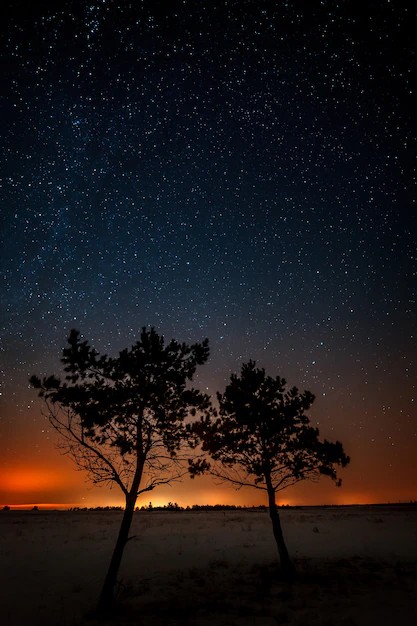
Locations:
column 242, row 171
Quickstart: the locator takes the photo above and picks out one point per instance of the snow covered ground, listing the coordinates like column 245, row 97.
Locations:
column 357, row 566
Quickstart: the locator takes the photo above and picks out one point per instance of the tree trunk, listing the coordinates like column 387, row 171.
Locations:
column 287, row 566
column 106, row 599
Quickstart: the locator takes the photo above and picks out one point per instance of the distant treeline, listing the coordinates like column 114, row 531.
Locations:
column 174, row 506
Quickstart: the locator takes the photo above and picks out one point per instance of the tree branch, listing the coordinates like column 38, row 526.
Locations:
column 70, row 435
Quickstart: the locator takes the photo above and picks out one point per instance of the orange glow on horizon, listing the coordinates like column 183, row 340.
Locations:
column 43, row 506
column 211, row 498
column 60, row 506
column 22, row 480
column 58, row 486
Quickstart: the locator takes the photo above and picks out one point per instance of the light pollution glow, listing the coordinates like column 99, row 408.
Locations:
column 60, row 487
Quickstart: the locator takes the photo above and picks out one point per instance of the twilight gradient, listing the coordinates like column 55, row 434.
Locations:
column 237, row 170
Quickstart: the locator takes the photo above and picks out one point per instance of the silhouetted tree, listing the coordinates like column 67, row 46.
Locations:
column 122, row 419
column 262, row 438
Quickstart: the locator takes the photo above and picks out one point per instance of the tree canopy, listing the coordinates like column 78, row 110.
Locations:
column 262, row 430
column 113, row 412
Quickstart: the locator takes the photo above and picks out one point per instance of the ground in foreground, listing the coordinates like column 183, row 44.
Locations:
column 356, row 567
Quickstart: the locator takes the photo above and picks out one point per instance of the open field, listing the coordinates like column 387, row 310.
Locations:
column 357, row 566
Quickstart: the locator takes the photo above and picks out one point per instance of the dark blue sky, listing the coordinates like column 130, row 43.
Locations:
column 239, row 170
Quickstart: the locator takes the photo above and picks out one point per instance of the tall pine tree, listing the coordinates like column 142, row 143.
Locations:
column 122, row 419
column 262, row 438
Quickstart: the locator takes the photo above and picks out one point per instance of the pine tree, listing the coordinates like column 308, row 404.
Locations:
column 122, row 419
column 262, row 438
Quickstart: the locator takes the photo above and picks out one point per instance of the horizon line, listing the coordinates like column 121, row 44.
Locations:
column 47, row 506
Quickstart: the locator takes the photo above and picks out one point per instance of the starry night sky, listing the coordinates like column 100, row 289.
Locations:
column 240, row 170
